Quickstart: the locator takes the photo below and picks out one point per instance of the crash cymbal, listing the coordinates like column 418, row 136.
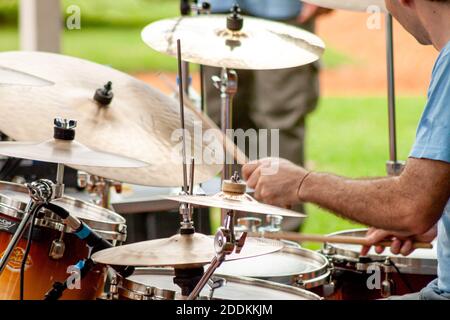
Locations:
column 10, row 77
column 244, row 203
column 351, row 5
column 66, row 152
column 139, row 123
column 260, row 45
column 181, row 251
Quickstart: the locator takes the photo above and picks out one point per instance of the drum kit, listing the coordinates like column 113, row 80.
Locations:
column 54, row 246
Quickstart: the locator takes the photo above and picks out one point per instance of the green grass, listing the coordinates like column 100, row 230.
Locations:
column 122, row 13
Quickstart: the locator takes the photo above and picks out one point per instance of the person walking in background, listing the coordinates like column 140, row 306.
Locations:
column 274, row 99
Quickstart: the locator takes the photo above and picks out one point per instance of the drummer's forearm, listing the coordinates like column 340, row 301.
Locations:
column 370, row 202
column 408, row 204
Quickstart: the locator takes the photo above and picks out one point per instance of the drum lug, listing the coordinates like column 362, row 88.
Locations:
column 57, row 248
column 387, row 286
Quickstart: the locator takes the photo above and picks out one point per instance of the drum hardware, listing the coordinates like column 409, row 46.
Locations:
column 99, row 187
column 227, row 84
column 225, row 243
column 104, row 95
column 57, row 248
column 214, row 283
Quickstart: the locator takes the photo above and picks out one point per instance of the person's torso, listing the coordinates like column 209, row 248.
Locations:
column 282, row 10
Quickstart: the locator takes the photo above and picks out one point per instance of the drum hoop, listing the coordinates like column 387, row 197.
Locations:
column 131, row 288
column 112, row 230
column 310, row 279
column 424, row 266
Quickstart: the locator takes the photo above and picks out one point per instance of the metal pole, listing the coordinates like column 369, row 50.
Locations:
column 391, row 89
column 393, row 166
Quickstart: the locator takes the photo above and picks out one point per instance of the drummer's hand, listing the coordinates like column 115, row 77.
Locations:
column 310, row 11
column 400, row 244
column 275, row 180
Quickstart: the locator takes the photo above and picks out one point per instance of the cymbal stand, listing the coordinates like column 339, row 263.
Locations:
column 187, row 226
column 393, row 166
column 186, row 8
column 41, row 192
column 227, row 84
column 225, row 244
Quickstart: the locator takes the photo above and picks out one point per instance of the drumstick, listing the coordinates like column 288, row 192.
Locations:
column 301, row 237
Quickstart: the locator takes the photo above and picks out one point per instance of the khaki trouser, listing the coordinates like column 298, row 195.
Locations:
column 273, row 99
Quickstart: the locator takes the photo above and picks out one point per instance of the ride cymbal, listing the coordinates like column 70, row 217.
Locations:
column 181, row 251
column 140, row 122
column 260, row 44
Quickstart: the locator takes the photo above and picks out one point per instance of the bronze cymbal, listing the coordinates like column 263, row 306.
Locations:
column 261, row 44
column 10, row 77
column 66, row 152
column 181, row 251
column 244, row 203
column 139, row 122
column 351, row 5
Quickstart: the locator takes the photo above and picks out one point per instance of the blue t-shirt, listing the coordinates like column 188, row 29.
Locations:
column 268, row 9
column 433, row 142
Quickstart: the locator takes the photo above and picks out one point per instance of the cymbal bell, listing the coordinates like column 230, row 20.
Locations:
column 243, row 202
column 351, row 5
column 261, row 44
column 66, row 152
column 139, row 123
column 10, row 77
column 180, row 251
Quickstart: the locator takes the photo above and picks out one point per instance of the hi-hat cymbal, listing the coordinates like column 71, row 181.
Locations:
column 244, row 203
column 260, row 45
column 139, row 123
column 10, row 77
column 181, row 251
column 66, row 152
column 351, row 5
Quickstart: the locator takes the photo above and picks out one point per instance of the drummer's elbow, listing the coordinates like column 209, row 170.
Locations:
column 419, row 218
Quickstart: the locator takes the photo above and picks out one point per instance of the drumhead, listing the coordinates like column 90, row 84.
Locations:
column 14, row 199
column 421, row 261
column 289, row 266
column 157, row 283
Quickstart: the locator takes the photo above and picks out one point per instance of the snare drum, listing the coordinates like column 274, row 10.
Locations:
column 54, row 249
column 157, row 284
column 351, row 272
column 291, row 266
